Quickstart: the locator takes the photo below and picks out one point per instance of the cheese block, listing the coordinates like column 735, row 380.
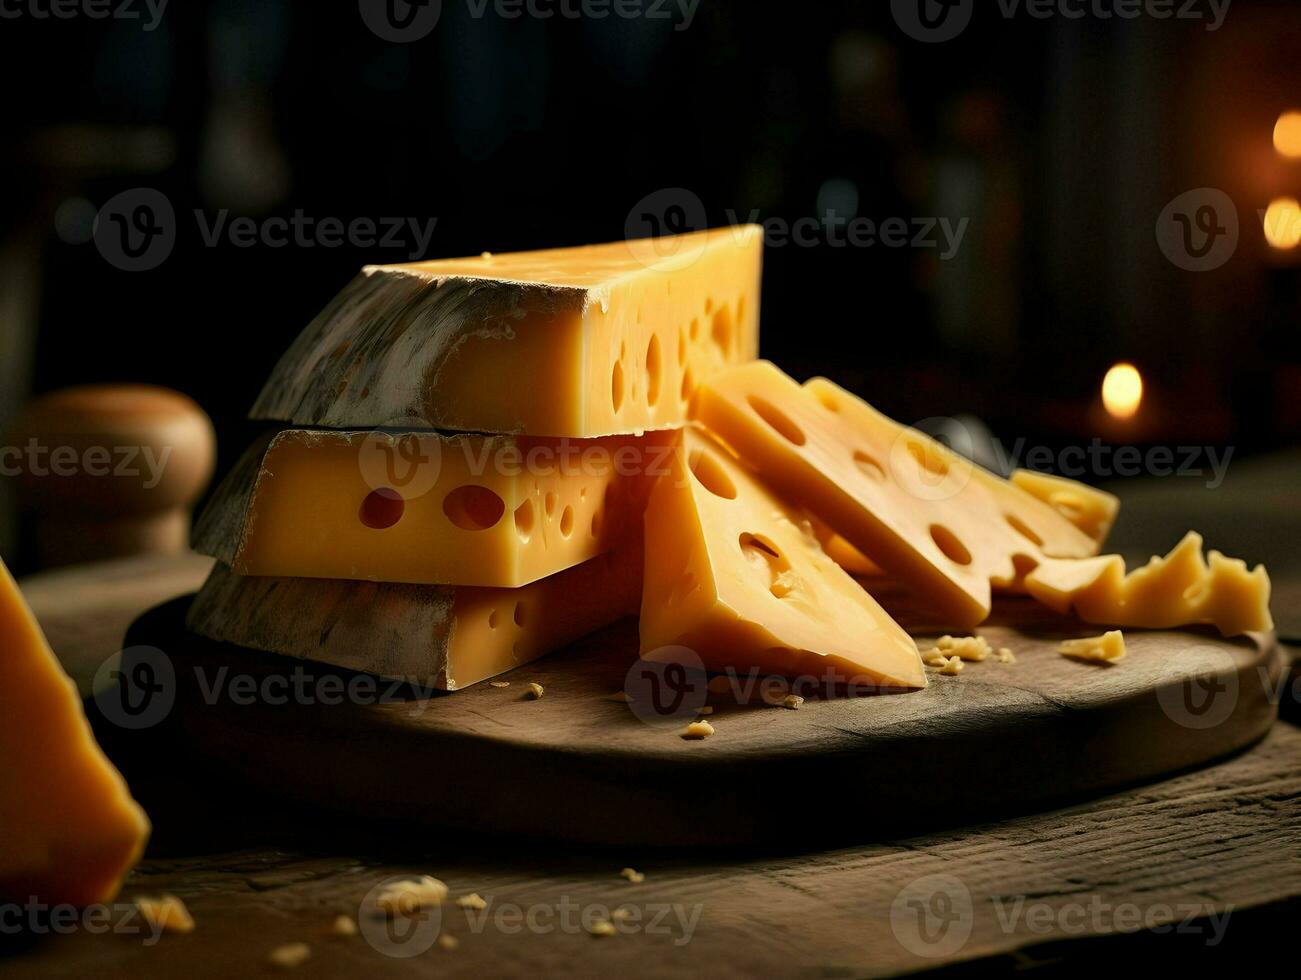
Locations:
column 737, row 576
column 440, row 637
column 578, row 342
column 430, row 509
column 1181, row 589
column 843, row 553
column 71, row 831
column 925, row 514
column 1093, row 511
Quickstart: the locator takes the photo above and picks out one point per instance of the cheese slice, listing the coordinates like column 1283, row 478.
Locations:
column 737, row 576
column 442, row 637
column 71, row 831
column 925, row 514
column 1093, row 511
column 1181, row 589
column 589, row 341
column 430, row 509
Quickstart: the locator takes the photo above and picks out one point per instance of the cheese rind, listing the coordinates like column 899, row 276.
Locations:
column 429, row 509
column 437, row 636
column 925, row 514
column 737, row 576
column 1181, row 589
column 71, row 830
column 616, row 336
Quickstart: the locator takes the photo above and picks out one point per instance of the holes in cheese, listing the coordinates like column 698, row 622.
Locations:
column 466, row 344
column 1092, row 511
column 1181, row 589
column 737, row 575
column 446, row 637
column 71, row 829
column 922, row 512
column 429, row 509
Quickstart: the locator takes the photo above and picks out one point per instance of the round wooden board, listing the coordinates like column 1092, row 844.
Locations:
column 581, row 765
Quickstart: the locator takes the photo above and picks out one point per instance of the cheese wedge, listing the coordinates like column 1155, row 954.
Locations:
column 70, row 830
column 1181, row 589
column 737, row 576
column 429, row 509
column 1093, row 511
column 442, row 637
column 925, row 514
column 589, row 341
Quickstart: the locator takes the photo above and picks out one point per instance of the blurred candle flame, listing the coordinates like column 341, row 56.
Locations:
column 1287, row 134
column 1122, row 391
column 1283, row 223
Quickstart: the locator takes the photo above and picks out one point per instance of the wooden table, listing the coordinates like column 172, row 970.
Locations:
column 1142, row 877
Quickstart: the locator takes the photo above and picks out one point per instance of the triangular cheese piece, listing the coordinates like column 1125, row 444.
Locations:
column 69, row 830
column 925, row 514
column 737, row 576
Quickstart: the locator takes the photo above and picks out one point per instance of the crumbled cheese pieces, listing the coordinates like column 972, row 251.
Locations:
column 621, row 913
column 953, row 667
column 974, row 648
column 792, row 701
column 1104, row 649
column 636, row 877
column 698, row 729
column 499, row 683
column 408, row 896
column 166, row 913
column 603, row 927
column 1006, row 656
column 472, row 901
column 344, row 925
column 536, row 691
column 291, row 955
column 447, row 942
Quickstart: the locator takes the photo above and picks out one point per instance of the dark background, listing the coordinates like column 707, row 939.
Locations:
column 1060, row 141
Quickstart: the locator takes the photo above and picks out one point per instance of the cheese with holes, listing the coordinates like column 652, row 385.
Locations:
column 925, row 514
column 433, row 636
column 737, row 576
column 589, row 341
column 69, row 830
column 431, row 509
column 1093, row 511
column 1181, row 589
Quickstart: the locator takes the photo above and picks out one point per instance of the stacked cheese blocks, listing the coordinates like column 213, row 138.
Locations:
column 481, row 460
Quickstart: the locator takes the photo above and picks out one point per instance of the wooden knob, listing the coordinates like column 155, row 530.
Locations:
column 106, row 471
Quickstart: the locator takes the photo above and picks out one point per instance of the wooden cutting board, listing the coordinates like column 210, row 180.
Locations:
column 581, row 765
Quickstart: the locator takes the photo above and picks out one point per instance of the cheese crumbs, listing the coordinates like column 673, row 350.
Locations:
column 535, row 691
column 166, row 913
column 792, row 701
column 291, row 955
column 472, row 901
column 953, row 667
column 636, row 877
column 409, row 896
column 1105, row 649
column 344, row 926
column 698, row 729
column 603, row 927
column 974, row 648
column 499, row 683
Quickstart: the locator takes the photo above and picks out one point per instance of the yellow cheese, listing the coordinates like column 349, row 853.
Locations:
column 1105, row 649
column 1180, row 589
column 440, row 636
column 922, row 512
column 738, row 576
column 1093, row 511
column 69, row 830
column 843, row 553
column 498, row 511
column 587, row 341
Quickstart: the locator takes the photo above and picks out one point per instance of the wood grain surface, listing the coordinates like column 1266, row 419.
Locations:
column 580, row 765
